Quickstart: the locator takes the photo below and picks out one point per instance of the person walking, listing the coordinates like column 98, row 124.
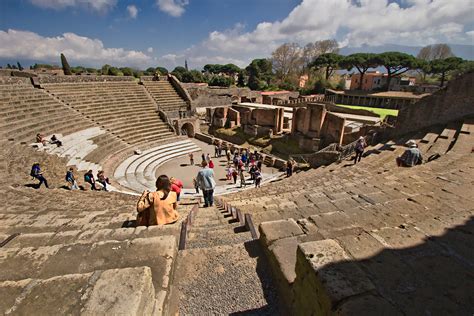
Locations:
column 176, row 186
column 289, row 168
column 71, row 179
column 37, row 174
column 258, row 178
column 196, row 185
column 243, row 183
column 191, row 159
column 359, row 149
column 89, row 178
column 205, row 178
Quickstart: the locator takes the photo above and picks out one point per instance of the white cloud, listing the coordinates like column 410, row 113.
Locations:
column 149, row 50
column 353, row 23
column 172, row 7
column 79, row 50
column 101, row 6
column 132, row 11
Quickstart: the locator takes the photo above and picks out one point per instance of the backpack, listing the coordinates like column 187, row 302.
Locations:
column 33, row 171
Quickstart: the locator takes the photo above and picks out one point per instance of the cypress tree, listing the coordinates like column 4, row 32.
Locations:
column 66, row 68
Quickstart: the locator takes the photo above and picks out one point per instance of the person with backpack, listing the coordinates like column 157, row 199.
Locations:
column 102, row 179
column 258, row 178
column 71, row 179
column 359, row 149
column 89, row 178
column 159, row 207
column 37, row 174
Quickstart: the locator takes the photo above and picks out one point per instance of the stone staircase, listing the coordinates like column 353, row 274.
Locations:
column 222, row 269
column 166, row 97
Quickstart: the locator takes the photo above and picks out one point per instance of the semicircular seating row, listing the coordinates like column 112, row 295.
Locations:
column 137, row 172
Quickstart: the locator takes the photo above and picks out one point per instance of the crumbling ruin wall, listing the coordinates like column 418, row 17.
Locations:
column 453, row 102
column 204, row 96
column 333, row 129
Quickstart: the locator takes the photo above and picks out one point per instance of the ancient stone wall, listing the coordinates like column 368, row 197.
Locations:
column 333, row 129
column 204, row 96
column 454, row 101
column 309, row 120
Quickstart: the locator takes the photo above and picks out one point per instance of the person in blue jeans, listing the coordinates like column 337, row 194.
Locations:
column 205, row 179
column 37, row 174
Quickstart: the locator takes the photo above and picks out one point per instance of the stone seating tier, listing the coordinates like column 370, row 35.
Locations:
column 165, row 95
column 367, row 215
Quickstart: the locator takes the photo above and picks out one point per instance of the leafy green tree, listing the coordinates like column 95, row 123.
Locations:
column 443, row 67
column 230, row 69
column 9, row 66
column 241, row 79
column 362, row 62
column 178, row 72
column 395, row 63
column 19, row 65
column 260, row 74
column 329, row 60
column 91, row 70
column 65, row 64
column 113, row 71
column 105, row 69
column 127, row 71
column 213, row 68
column 221, row 81
column 163, row 71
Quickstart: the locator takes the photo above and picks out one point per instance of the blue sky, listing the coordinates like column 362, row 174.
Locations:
column 144, row 33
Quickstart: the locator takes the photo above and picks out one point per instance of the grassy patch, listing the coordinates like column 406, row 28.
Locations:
column 381, row 112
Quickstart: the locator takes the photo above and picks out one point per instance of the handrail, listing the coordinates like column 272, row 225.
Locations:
column 165, row 118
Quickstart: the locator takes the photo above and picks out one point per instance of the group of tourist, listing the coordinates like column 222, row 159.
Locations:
column 410, row 157
column 41, row 139
column 70, row 178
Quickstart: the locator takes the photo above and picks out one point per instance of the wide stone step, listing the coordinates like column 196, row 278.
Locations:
column 110, row 291
column 224, row 280
column 157, row 253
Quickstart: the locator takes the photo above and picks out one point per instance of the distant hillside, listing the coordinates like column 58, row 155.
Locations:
column 463, row 51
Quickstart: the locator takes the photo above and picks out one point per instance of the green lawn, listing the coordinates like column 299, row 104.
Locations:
column 381, row 112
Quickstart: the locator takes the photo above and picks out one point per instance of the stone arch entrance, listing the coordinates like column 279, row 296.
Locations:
column 187, row 129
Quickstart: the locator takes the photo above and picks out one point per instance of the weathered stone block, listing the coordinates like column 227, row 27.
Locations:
column 271, row 231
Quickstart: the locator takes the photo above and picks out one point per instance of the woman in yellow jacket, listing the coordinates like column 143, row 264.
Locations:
column 159, row 207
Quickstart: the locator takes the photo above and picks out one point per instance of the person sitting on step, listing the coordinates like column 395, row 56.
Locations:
column 55, row 141
column 411, row 156
column 159, row 207
column 41, row 139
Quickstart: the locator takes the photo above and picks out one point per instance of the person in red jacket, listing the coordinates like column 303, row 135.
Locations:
column 211, row 164
column 176, row 186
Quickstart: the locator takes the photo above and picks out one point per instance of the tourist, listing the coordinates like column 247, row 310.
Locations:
column 89, row 178
column 37, row 174
column 227, row 153
column 55, row 141
column 159, row 207
column 176, row 186
column 207, row 183
column 196, row 185
column 208, row 158
column 234, row 174
column 260, row 163
column 203, row 157
column 216, row 151
column 211, row 164
column 242, row 178
column 411, row 156
column 258, row 178
column 359, row 149
column 289, row 168
column 71, row 179
column 191, row 159
column 252, row 172
column 102, row 179
column 41, row 139
column 229, row 172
